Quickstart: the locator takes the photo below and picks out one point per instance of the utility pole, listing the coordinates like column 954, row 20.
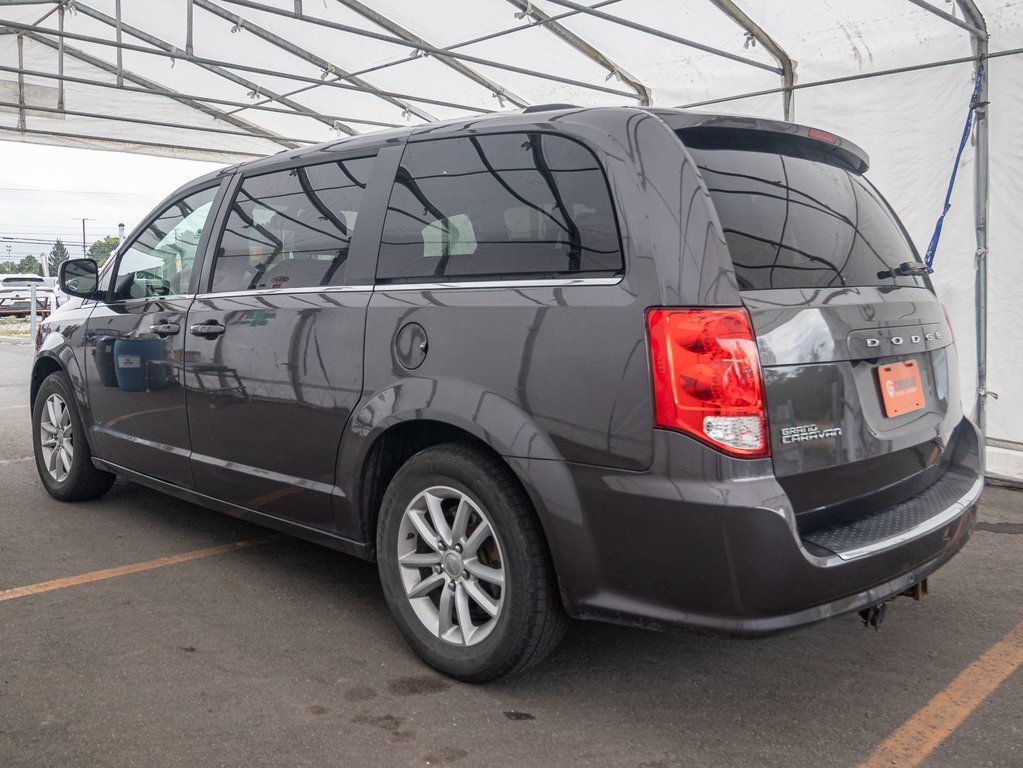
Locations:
column 85, row 252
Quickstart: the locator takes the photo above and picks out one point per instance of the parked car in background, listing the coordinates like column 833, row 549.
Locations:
column 16, row 296
column 646, row 366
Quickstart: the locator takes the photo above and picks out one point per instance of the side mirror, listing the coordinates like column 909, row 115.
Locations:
column 79, row 277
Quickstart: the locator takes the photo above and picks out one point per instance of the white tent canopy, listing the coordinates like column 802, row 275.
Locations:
column 227, row 80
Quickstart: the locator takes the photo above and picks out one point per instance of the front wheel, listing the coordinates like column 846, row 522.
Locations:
column 62, row 454
column 464, row 565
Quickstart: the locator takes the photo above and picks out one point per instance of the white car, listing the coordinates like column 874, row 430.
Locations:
column 16, row 295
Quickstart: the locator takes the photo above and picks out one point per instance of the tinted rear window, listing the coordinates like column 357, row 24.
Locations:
column 496, row 207
column 796, row 223
column 10, row 282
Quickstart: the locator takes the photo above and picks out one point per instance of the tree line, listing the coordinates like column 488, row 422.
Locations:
column 30, row 265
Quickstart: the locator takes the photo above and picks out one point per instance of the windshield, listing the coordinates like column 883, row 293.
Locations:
column 796, row 223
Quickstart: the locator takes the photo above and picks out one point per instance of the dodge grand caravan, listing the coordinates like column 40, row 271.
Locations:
column 644, row 366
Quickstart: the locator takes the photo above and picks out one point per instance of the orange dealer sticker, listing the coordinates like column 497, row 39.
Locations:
column 901, row 390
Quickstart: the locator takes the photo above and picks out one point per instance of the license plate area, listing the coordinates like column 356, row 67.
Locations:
column 901, row 388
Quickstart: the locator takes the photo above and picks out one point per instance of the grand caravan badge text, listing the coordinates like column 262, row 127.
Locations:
column 805, row 432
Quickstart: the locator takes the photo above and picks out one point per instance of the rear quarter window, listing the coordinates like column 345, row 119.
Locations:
column 495, row 207
column 796, row 223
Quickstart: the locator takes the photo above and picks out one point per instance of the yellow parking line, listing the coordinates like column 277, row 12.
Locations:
column 9, row 407
column 15, row 461
column 110, row 573
column 928, row 728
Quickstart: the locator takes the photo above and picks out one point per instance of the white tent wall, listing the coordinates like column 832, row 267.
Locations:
column 1005, row 264
column 909, row 123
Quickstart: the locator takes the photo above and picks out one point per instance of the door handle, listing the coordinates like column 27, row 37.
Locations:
column 207, row 330
column 165, row 329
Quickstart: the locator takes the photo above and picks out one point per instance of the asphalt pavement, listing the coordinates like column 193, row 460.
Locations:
column 283, row 654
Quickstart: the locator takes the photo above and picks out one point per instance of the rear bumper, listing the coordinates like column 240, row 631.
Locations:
column 670, row 547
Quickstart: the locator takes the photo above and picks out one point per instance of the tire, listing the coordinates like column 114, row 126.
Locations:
column 62, row 454
column 497, row 586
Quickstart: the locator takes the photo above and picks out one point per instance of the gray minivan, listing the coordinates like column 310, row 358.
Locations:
column 646, row 366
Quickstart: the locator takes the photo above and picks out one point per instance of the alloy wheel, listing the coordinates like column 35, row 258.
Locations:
column 451, row 566
column 56, row 437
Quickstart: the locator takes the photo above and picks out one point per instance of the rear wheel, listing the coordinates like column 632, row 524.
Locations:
column 464, row 565
column 62, row 454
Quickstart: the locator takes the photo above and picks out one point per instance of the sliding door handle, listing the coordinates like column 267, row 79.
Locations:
column 207, row 330
column 165, row 329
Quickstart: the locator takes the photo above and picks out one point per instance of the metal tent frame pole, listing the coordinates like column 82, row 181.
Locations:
column 453, row 47
column 501, row 93
column 981, row 190
column 629, row 24
column 448, row 52
column 329, row 67
column 586, row 49
column 756, row 32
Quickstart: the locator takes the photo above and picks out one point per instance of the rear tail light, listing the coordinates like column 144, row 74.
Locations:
column 707, row 379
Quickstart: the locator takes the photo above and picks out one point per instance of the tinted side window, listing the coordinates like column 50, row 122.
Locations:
column 496, row 207
column 794, row 223
column 292, row 228
column 159, row 262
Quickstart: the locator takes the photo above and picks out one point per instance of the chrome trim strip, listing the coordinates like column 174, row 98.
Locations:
column 266, row 474
column 928, row 526
column 164, row 447
column 278, row 291
column 558, row 282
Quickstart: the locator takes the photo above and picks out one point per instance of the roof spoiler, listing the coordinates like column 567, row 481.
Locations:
column 704, row 131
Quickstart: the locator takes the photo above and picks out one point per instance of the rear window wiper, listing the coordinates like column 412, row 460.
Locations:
column 905, row 268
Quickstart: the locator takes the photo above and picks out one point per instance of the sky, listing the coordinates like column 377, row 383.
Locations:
column 45, row 191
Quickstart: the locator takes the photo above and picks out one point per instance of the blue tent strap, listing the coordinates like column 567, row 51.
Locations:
column 974, row 104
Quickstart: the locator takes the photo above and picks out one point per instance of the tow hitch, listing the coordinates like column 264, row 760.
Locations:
column 873, row 615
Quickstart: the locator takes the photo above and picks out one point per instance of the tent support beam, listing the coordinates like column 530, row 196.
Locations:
column 455, row 46
column 852, row 78
column 981, row 190
column 429, row 49
column 116, row 145
column 120, row 43
column 60, row 59
column 973, row 30
column 189, row 18
column 148, row 86
column 195, row 101
column 21, row 84
column 176, row 53
column 560, row 30
column 665, row 35
column 788, row 67
column 499, row 91
column 328, row 67
column 143, row 121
